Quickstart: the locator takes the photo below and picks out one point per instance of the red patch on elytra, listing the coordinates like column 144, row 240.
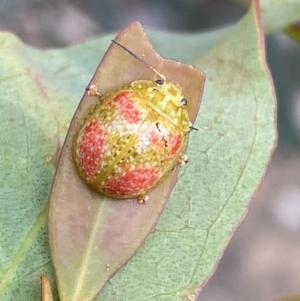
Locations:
column 131, row 182
column 174, row 142
column 155, row 138
column 126, row 106
column 91, row 148
column 171, row 141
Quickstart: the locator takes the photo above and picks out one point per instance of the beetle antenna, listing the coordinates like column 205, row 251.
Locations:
column 193, row 128
column 139, row 59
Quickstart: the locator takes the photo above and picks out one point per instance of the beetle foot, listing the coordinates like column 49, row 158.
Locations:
column 93, row 91
column 183, row 159
column 143, row 198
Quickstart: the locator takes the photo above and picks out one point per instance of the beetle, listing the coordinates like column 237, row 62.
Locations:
column 133, row 137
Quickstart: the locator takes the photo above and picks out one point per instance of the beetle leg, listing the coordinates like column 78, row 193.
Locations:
column 93, row 91
column 143, row 198
column 183, row 159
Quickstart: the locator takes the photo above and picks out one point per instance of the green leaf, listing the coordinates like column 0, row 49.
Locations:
column 293, row 32
column 278, row 14
column 291, row 298
column 40, row 91
column 226, row 165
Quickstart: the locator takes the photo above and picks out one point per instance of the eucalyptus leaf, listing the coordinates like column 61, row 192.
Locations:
column 40, row 91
